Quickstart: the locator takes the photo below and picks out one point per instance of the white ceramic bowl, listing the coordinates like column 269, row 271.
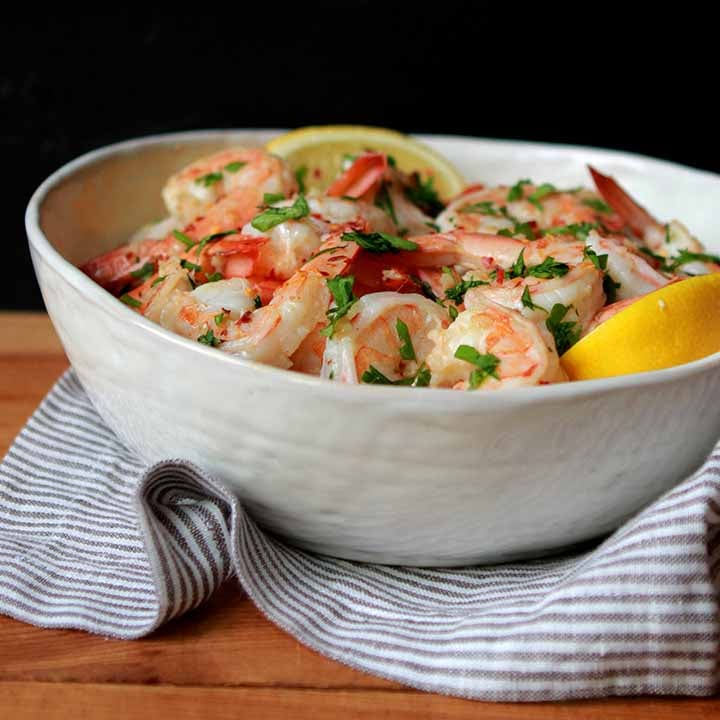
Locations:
column 393, row 475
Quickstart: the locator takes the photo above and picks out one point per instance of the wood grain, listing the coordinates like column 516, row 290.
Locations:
column 224, row 660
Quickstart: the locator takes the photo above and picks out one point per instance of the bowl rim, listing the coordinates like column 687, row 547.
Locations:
column 462, row 401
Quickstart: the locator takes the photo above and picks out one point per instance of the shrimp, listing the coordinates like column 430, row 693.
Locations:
column 666, row 240
column 192, row 191
column 581, row 290
column 114, row 270
column 607, row 312
column 290, row 243
column 372, row 338
column 273, row 333
column 489, row 210
column 626, row 267
column 524, row 355
column 373, row 178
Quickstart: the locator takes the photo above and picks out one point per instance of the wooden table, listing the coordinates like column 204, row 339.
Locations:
column 224, row 660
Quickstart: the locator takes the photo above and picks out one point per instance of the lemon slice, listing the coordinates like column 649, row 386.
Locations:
column 323, row 148
column 674, row 325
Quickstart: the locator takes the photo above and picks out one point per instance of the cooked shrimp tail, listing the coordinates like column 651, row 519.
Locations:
column 361, row 176
column 639, row 219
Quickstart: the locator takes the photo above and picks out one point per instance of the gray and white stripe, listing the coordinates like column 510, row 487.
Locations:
column 91, row 539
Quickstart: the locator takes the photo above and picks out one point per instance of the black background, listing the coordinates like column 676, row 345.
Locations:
column 586, row 74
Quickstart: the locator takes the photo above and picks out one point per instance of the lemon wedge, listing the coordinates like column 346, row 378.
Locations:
column 676, row 324
column 322, row 150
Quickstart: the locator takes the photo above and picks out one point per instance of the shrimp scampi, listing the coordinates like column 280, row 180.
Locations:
column 377, row 280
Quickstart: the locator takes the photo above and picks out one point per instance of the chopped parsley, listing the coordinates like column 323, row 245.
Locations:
column 565, row 332
column 209, row 179
column 667, row 233
column 597, row 205
column 407, row 351
column 300, row 175
column 540, row 192
column 457, row 292
column 144, row 272
column 425, row 288
column 424, row 195
column 579, row 230
column 385, row 203
column 685, row 256
column 275, row 216
column 214, row 277
column 485, row 207
column 190, row 266
column 130, row 301
column 372, row 376
column 527, row 301
column 270, row 198
column 183, row 238
column 209, row 339
column 452, row 312
column 158, row 280
column 233, row 167
column 379, row 242
column 219, row 318
column 433, row 226
column 257, row 302
column 599, row 261
column 516, row 191
column 519, row 228
column 549, row 268
column 486, row 365
column 210, row 238
column 342, row 292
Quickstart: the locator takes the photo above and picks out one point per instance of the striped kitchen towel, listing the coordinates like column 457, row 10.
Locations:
column 91, row 539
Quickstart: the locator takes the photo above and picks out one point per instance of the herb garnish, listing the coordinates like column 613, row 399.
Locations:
column 433, row 226
column 425, row 288
column 233, row 167
column 599, row 261
column 527, row 301
column 516, row 191
column 457, row 292
column 257, row 302
column 158, row 280
column 486, row 365
column 219, row 318
column 407, row 351
column 300, row 174
column 209, row 339
column 209, row 238
column 270, row 198
column 214, row 277
column 485, row 207
column 385, row 203
column 579, row 230
column 209, row 179
column 144, row 272
column 519, row 228
column 130, row 300
column 598, row 205
column 424, row 195
column 565, row 332
column 379, row 242
column 685, row 256
column 342, row 292
column 183, row 238
column 372, row 376
column 275, row 216
column 548, row 268
column 540, row 192
column 190, row 266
